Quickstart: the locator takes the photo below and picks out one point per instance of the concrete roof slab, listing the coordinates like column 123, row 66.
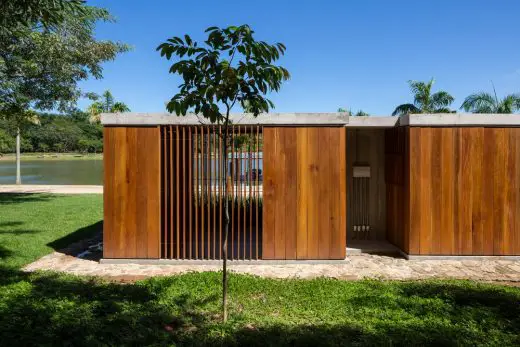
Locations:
column 281, row 119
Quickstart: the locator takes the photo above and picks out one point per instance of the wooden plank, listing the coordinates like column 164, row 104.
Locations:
column 280, row 182
column 436, row 189
column 269, row 203
column 511, row 193
column 290, row 193
column 447, row 192
column 488, row 191
column 302, row 142
column 425, row 191
column 415, row 191
column 140, row 191
column 109, row 192
column 121, row 191
column 326, row 197
column 477, row 161
column 337, row 189
column 404, row 226
column 516, row 238
column 313, row 203
column 500, row 155
column 464, row 238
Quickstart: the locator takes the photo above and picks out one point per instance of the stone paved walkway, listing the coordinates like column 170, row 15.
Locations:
column 355, row 267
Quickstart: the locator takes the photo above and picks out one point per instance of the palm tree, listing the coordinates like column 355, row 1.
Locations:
column 424, row 101
column 486, row 103
column 106, row 104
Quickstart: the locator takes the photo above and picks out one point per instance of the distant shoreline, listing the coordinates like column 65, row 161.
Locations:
column 53, row 156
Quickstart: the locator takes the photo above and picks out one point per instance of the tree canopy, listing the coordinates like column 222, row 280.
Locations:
column 424, row 100
column 487, row 103
column 47, row 51
column 231, row 67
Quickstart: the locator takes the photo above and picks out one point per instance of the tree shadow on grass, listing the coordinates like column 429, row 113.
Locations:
column 19, row 198
column 75, row 242
column 52, row 309
column 5, row 252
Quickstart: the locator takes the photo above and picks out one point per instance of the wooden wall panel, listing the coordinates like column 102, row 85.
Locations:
column 396, row 171
column 463, row 191
column 305, row 191
column 131, row 192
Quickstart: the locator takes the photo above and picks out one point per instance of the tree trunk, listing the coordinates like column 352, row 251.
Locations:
column 226, row 225
column 18, row 175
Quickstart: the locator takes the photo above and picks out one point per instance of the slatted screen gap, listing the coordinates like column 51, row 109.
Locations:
column 193, row 192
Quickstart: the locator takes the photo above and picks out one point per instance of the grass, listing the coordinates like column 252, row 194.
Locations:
column 54, row 309
column 32, row 225
column 53, row 156
column 48, row 309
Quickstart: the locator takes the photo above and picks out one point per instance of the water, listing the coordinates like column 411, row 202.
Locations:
column 90, row 171
column 53, row 171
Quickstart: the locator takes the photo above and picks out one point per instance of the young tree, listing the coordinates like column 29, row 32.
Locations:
column 424, row 100
column 46, row 48
column 230, row 68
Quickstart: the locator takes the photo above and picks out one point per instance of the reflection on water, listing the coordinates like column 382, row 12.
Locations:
column 53, row 172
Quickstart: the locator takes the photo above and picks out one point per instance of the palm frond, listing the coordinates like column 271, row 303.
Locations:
column 120, row 107
column 509, row 104
column 480, row 103
column 405, row 109
column 422, row 94
column 441, row 99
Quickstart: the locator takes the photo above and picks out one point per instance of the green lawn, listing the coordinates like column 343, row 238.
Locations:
column 54, row 309
column 32, row 225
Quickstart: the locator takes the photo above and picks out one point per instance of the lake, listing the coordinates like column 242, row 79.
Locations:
column 53, row 171
column 90, row 171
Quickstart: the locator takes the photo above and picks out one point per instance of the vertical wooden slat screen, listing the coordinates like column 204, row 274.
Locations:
column 193, row 192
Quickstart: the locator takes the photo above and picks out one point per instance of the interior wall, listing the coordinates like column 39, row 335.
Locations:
column 366, row 147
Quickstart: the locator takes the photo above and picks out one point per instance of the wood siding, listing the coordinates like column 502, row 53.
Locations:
column 464, row 191
column 304, row 193
column 131, row 192
column 396, row 160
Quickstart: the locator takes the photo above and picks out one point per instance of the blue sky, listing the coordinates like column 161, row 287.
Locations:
column 354, row 54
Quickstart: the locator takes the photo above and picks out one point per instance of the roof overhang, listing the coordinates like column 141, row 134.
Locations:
column 279, row 119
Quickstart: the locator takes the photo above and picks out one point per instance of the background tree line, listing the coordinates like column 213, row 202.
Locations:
column 54, row 133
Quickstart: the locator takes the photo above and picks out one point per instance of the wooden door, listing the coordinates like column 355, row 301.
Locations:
column 304, row 193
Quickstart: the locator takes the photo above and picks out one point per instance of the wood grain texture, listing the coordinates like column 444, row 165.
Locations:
column 463, row 191
column 132, row 199
column 304, row 193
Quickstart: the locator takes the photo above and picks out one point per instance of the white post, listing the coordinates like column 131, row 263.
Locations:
column 18, row 175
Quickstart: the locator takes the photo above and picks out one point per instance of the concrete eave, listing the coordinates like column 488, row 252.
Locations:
column 372, row 122
column 460, row 119
column 279, row 119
